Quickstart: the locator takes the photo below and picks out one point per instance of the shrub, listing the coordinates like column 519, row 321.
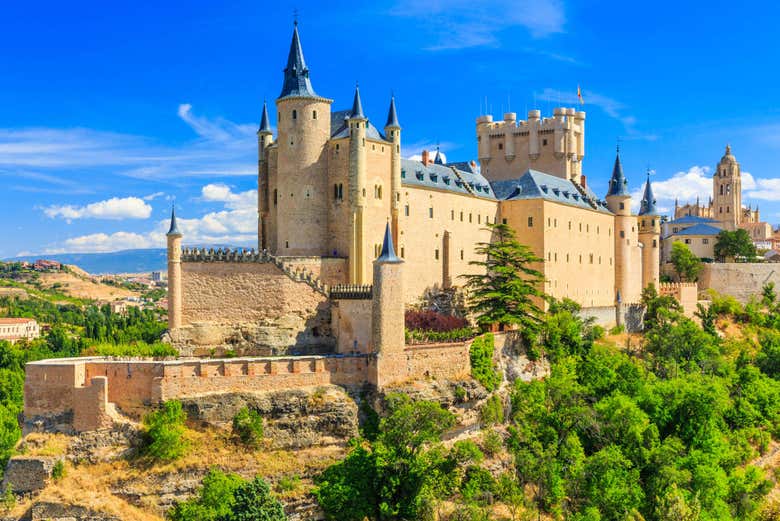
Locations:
column 248, row 427
column 466, row 452
column 433, row 321
column 58, row 471
column 254, row 502
column 419, row 336
column 482, row 366
column 492, row 442
column 164, row 437
column 8, row 500
column 460, row 393
column 617, row 330
column 213, row 502
column 155, row 350
column 492, row 411
column 597, row 332
column 288, row 483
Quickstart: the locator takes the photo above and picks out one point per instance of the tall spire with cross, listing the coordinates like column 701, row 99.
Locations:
column 296, row 74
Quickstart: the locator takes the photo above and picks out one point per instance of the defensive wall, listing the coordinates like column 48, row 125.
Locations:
column 740, row 280
column 686, row 293
column 87, row 392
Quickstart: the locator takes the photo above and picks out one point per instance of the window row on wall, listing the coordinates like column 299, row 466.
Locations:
column 552, row 222
column 460, row 216
column 589, row 258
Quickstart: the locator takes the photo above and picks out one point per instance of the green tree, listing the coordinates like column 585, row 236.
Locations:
column 508, row 288
column 165, row 432
column 213, row 502
column 674, row 506
column 730, row 245
column 253, row 501
column 248, row 427
column 686, row 264
column 612, row 484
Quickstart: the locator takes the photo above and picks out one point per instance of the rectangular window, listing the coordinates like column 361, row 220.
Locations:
column 703, row 241
column 402, row 252
column 530, row 222
column 461, row 216
column 622, row 206
column 406, row 210
column 452, row 214
column 469, row 217
column 687, row 241
column 479, row 219
column 436, row 254
column 622, row 234
column 430, row 212
column 549, row 222
column 461, row 254
column 503, row 221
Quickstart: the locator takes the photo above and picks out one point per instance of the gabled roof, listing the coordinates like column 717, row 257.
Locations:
column 538, row 185
column 618, row 184
column 698, row 229
column 441, row 177
column 339, row 127
column 692, row 219
column 296, row 74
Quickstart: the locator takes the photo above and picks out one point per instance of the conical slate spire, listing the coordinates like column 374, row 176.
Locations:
column 357, row 106
column 265, row 124
column 618, row 185
column 296, row 74
column 437, row 159
column 388, row 252
column 392, row 117
column 174, row 229
column 647, row 206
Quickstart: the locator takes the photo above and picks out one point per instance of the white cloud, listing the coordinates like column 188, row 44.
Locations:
column 152, row 197
column 235, row 224
column 219, row 129
column 459, row 24
column 115, row 208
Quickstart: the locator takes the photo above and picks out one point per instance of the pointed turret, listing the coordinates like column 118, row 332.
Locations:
column 173, row 231
column 437, row 159
column 388, row 251
column 647, row 206
column 618, row 184
column 265, row 124
column 392, row 116
column 357, row 106
column 296, row 74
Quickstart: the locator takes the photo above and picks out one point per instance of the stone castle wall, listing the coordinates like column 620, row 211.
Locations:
column 740, row 280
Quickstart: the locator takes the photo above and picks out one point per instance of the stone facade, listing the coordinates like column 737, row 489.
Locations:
column 740, row 280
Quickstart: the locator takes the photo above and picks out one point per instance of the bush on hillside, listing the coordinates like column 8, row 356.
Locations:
column 248, row 427
column 483, row 368
column 164, row 436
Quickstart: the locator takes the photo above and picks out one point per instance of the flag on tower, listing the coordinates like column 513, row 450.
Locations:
column 579, row 95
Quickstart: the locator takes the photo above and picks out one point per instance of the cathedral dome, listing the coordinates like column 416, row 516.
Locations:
column 728, row 157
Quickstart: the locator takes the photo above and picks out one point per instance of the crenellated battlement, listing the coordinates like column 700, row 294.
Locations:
column 670, row 287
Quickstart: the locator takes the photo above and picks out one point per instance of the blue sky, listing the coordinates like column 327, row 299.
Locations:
column 110, row 109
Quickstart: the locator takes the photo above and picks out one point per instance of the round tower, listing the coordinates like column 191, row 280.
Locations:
column 393, row 134
column 649, row 222
column 619, row 203
column 264, row 140
column 358, row 124
column 173, row 238
column 727, row 191
column 387, row 316
column 303, row 126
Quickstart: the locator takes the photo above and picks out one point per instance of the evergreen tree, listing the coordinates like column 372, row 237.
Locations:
column 508, row 288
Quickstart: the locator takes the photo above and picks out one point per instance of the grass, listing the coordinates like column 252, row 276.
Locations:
column 142, row 349
column 45, row 444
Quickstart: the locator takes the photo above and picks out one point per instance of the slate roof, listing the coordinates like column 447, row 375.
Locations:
column 618, row 184
column 265, row 124
column 296, row 74
column 340, row 128
column 174, row 229
column 698, row 229
column 357, row 106
column 441, row 177
column 692, row 219
column 647, row 205
column 392, row 116
column 388, row 251
column 538, row 185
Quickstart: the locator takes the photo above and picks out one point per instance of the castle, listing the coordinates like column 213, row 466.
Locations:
column 350, row 234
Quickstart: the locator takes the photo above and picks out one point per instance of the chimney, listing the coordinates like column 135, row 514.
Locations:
column 583, row 181
column 426, row 158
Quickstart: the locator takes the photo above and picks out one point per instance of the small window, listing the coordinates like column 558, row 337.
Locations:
column 687, row 241
column 461, row 216
column 622, row 234
column 544, row 142
column 313, row 114
column 501, row 146
column 406, row 210
column 452, row 214
column 461, row 254
column 276, row 196
column 549, row 222
column 530, row 222
column 503, row 221
column 655, row 243
column 286, row 244
column 337, row 146
column 403, row 253
column 622, row 206
column 295, row 114
column 703, row 241
column 469, row 217
column 479, row 219
column 430, row 212
column 436, row 254
column 591, row 258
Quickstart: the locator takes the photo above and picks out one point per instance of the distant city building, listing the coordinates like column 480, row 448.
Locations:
column 47, row 265
column 13, row 329
column 156, row 276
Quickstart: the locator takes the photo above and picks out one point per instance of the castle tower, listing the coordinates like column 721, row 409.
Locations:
column 264, row 140
column 727, row 191
column 301, row 194
column 556, row 146
column 387, row 315
column 174, row 273
column 358, row 124
column 393, row 134
column 649, row 236
column 619, row 203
